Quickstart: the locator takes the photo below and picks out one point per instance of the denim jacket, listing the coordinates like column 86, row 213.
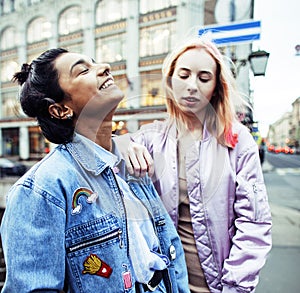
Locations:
column 65, row 228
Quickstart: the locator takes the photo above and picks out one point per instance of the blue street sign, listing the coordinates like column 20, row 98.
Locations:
column 241, row 32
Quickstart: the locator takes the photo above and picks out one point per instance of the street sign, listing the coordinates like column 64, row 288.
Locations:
column 235, row 32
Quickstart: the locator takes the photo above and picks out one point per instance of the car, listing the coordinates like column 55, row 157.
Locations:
column 287, row 150
column 11, row 168
column 271, row 148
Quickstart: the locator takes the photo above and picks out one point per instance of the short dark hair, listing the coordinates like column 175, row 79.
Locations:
column 40, row 89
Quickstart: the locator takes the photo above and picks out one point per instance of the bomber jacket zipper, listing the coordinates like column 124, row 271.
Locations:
column 111, row 235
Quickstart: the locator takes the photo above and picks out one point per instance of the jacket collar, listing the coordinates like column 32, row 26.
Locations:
column 91, row 156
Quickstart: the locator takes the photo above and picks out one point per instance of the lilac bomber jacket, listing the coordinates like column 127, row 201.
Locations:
column 229, row 206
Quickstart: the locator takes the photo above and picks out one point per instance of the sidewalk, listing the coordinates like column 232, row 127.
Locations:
column 286, row 226
column 286, row 221
column 267, row 167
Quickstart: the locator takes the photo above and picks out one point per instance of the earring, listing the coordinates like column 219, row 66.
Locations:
column 69, row 116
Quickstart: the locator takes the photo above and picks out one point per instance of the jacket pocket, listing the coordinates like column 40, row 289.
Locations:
column 96, row 257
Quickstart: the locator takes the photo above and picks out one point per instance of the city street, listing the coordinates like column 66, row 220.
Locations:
column 281, row 272
column 282, row 177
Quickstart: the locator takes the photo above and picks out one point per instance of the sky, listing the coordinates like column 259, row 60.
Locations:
column 280, row 87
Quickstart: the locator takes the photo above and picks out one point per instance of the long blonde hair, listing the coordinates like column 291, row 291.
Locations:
column 220, row 112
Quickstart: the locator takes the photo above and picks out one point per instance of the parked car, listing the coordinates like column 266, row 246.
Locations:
column 287, row 150
column 279, row 149
column 11, row 168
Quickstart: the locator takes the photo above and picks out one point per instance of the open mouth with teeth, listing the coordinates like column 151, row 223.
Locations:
column 106, row 84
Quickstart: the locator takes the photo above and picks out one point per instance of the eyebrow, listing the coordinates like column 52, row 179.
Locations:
column 201, row 71
column 80, row 61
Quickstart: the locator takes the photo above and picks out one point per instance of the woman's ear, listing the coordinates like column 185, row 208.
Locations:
column 60, row 111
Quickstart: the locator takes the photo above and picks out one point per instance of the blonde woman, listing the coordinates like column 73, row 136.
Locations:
column 207, row 172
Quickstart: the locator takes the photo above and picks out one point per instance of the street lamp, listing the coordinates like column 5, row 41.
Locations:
column 258, row 62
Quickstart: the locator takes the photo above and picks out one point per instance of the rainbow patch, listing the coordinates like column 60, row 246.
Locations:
column 89, row 195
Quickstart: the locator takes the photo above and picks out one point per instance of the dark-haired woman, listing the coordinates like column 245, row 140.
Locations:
column 76, row 221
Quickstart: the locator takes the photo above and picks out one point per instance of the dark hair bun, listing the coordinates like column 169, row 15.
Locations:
column 22, row 76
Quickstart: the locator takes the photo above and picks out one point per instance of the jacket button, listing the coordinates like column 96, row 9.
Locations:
column 172, row 252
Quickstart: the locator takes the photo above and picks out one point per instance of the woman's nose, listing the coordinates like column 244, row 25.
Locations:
column 192, row 86
column 104, row 69
column 192, row 91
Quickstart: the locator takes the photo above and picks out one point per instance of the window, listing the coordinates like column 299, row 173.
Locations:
column 38, row 143
column 76, row 48
column 157, row 39
column 148, row 6
column 8, row 38
column 111, row 49
column 38, row 29
column 8, row 68
column 7, row 6
column 70, row 21
column 151, row 89
column 110, row 11
column 10, row 141
column 30, row 2
column 10, row 106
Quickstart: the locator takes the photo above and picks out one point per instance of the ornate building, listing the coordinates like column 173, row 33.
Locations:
column 134, row 36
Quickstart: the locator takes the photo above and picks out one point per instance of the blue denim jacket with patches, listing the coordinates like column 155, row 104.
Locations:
column 65, row 228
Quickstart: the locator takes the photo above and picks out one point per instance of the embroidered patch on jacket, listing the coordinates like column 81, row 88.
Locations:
column 127, row 278
column 93, row 265
column 85, row 192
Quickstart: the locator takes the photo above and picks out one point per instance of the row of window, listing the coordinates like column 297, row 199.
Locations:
column 107, row 10
column 70, row 21
column 112, row 48
column 154, row 40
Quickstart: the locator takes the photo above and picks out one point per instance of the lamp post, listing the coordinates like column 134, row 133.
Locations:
column 258, row 62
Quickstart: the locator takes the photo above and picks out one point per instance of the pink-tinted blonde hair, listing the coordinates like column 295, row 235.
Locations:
column 220, row 112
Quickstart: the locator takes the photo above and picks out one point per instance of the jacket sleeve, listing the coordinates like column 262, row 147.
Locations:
column 32, row 233
column 252, row 240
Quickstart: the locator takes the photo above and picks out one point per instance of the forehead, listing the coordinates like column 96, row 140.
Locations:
column 65, row 61
column 196, row 58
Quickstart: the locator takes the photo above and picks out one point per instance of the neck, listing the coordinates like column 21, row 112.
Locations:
column 101, row 135
column 192, row 127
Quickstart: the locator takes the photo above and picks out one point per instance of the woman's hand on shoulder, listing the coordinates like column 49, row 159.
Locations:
column 138, row 160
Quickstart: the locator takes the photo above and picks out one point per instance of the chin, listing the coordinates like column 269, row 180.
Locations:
column 116, row 93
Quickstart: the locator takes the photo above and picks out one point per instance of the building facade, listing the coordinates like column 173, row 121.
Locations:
column 134, row 36
column 294, row 129
column 286, row 130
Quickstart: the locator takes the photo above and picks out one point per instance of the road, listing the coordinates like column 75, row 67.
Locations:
column 282, row 178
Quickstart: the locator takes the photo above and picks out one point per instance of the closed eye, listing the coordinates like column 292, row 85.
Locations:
column 84, row 71
column 184, row 76
column 205, row 76
column 204, row 79
column 183, row 73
